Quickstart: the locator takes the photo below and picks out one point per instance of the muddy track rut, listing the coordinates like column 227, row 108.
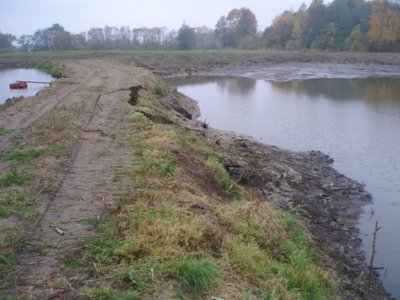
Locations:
column 98, row 92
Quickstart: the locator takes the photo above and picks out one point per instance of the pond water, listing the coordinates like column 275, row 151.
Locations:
column 12, row 75
column 355, row 121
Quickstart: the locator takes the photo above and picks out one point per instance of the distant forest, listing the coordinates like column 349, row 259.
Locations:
column 342, row 25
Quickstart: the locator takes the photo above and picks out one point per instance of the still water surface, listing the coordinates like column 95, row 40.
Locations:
column 355, row 121
column 12, row 75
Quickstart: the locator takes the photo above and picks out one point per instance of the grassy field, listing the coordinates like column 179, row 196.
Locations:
column 157, row 59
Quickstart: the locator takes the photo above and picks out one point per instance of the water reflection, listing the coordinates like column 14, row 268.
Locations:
column 373, row 90
column 10, row 76
column 237, row 86
column 233, row 86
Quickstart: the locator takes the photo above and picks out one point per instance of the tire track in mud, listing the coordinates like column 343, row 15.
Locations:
column 88, row 186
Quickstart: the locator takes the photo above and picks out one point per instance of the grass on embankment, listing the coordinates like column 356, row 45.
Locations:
column 17, row 205
column 188, row 231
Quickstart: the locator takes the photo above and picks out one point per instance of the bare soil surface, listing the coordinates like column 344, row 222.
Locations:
column 83, row 187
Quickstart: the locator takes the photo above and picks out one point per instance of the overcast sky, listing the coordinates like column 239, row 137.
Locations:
column 25, row 17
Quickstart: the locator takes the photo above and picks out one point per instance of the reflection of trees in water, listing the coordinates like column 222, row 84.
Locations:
column 387, row 89
column 237, row 86
column 232, row 85
column 369, row 89
column 193, row 80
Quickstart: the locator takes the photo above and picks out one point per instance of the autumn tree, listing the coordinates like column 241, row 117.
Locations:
column 384, row 33
column 296, row 40
column 358, row 40
column 242, row 26
column 355, row 25
column 279, row 34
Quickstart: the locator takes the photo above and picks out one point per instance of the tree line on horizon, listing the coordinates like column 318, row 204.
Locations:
column 342, row 25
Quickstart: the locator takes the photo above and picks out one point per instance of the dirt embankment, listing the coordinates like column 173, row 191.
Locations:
column 306, row 183
column 328, row 202
column 80, row 126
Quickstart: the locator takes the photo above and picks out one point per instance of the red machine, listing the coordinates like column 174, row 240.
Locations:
column 24, row 84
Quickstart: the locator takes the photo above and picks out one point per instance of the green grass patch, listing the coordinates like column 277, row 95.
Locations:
column 71, row 106
column 55, row 148
column 101, row 247
column 18, row 204
column 108, row 293
column 168, row 169
column 195, row 277
column 53, row 68
column 72, row 263
column 132, row 277
column 14, row 177
column 103, row 154
column 7, row 258
column 16, row 140
column 24, row 107
column 284, row 263
column 221, row 177
column 10, row 241
column 153, row 162
column 161, row 88
column 5, row 131
column 21, row 156
column 137, row 117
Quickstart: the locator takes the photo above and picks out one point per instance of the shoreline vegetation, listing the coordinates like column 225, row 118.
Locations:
column 199, row 213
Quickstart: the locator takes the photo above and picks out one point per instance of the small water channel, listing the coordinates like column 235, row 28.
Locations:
column 12, row 75
column 355, row 121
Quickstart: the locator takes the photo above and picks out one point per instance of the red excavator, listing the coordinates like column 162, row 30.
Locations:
column 20, row 84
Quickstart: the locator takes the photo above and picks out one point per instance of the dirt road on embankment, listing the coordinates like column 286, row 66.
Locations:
column 76, row 126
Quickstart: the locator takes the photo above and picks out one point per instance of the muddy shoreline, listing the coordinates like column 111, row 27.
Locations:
column 287, row 71
column 328, row 202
